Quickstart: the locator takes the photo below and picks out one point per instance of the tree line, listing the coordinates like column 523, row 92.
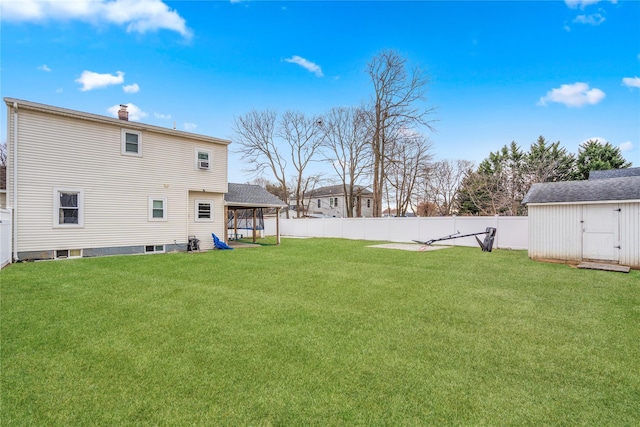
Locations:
column 382, row 144
column 501, row 181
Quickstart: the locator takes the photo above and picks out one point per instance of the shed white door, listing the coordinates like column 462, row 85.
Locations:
column 600, row 237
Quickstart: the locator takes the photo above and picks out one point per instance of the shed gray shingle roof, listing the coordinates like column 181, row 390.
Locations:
column 626, row 188
column 251, row 195
column 614, row 173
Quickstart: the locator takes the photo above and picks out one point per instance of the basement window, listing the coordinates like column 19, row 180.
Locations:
column 153, row 249
column 68, row 253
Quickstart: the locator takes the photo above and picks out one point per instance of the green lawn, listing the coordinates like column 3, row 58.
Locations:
column 319, row 332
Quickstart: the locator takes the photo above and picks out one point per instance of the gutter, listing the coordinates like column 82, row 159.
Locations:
column 15, row 182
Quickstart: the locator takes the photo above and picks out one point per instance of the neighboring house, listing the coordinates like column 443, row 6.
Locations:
column 593, row 220
column 3, row 186
column 330, row 201
column 91, row 185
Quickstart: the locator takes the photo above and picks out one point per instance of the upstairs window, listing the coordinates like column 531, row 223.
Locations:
column 330, row 202
column 131, row 143
column 68, row 207
column 319, row 203
column 203, row 159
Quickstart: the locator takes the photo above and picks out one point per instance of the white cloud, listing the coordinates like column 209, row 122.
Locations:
column 631, row 81
column 135, row 113
column 138, row 15
column 190, row 126
column 134, row 88
column 573, row 95
column 44, row 67
column 90, row 80
column 574, row 4
column 306, row 64
column 626, row 146
column 162, row 116
column 595, row 19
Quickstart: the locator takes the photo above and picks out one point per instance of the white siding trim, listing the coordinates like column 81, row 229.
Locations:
column 592, row 202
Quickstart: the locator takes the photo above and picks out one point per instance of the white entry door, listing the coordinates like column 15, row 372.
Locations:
column 600, row 237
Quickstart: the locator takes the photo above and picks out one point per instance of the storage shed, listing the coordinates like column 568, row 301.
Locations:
column 593, row 220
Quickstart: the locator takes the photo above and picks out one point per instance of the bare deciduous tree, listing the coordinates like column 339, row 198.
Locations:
column 409, row 153
column 396, row 103
column 442, row 182
column 346, row 147
column 303, row 135
column 255, row 133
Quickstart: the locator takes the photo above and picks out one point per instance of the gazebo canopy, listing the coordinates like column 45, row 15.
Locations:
column 251, row 197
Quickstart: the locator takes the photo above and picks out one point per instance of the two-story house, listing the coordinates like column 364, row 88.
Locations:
column 330, row 201
column 83, row 184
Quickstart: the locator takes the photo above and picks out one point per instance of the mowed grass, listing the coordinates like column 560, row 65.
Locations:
column 319, row 332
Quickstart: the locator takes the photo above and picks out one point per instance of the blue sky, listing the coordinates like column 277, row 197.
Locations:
column 500, row 71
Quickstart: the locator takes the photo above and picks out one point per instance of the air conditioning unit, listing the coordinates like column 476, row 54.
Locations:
column 203, row 164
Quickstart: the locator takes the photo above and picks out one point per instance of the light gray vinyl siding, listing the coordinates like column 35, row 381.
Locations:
column 64, row 152
column 555, row 232
column 630, row 234
column 202, row 230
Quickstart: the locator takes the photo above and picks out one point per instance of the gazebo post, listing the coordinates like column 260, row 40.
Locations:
column 225, row 236
column 235, row 223
column 277, row 226
column 254, row 225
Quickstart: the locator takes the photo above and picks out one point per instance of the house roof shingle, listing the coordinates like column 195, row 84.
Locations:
column 593, row 190
column 250, row 195
column 614, row 173
column 337, row 190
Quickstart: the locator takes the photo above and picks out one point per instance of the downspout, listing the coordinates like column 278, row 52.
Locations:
column 15, row 182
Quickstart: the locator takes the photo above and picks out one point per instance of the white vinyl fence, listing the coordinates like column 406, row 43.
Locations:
column 5, row 237
column 512, row 232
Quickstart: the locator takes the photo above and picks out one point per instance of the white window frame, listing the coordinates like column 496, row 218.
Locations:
column 196, row 210
column 155, row 249
column 56, row 207
column 69, row 256
column 124, row 151
column 164, row 208
column 197, row 157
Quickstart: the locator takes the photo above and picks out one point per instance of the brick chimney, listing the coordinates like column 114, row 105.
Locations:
column 123, row 114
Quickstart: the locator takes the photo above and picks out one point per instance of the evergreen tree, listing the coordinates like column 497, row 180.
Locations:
column 593, row 155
